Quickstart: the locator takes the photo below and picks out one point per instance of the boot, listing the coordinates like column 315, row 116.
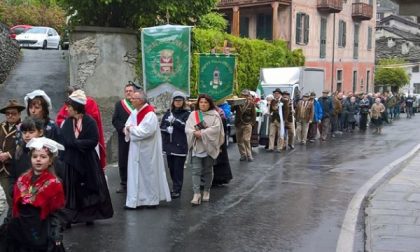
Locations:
column 196, row 199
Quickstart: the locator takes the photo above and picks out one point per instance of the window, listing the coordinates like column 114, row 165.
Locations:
column 341, row 33
column 367, row 81
column 302, row 28
column 416, row 88
column 244, row 27
column 354, row 81
column 369, row 43
column 265, row 26
column 323, row 38
column 339, row 80
column 415, row 69
column 356, row 42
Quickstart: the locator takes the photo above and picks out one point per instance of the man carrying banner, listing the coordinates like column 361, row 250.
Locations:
column 244, row 120
column 122, row 111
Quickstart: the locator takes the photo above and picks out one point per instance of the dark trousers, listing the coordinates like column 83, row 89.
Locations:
column 123, row 147
column 363, row 121
column 176, row 169
column 313, row 130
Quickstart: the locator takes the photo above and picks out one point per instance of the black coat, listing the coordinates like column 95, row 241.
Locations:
column 178, row 145
column 119, row 118
column 87, row 194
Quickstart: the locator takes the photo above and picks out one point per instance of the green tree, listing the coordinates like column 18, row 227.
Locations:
column 391, row 72
column 213, row 20
column 135, row 13
column 33, row 12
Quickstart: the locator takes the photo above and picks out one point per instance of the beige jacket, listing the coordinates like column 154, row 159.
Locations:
column 212, row 137
column 376, row 110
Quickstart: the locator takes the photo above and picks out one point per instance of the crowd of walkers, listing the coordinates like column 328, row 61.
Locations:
column 52, row 171
column 284, row 121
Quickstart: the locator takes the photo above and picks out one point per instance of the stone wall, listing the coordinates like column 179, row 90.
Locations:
column 102, row 60
column 9, row 53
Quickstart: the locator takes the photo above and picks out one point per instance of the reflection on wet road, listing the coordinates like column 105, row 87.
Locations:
column 279, row 202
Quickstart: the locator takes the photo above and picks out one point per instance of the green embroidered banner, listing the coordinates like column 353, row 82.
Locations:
column 216, row 76
column 166, row 59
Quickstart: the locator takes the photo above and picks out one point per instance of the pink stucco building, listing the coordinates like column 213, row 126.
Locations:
column 336, row 35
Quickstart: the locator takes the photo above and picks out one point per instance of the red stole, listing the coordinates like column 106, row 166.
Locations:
column 46, row 193
column 143, row 112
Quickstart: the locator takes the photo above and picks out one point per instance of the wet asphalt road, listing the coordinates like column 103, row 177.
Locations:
column 38, row 69
column 293, row 201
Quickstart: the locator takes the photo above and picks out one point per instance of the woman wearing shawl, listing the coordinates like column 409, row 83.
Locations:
column 85, row 186
column 205, row 135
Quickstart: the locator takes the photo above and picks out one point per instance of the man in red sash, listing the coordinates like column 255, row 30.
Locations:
column 146, row 180
column 122, row 111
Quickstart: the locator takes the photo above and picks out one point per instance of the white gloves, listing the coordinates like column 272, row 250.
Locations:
column 170, row 129
column 170, row 118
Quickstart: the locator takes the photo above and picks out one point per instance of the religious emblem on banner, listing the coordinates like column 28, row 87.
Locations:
column 166, row 61
column 216, row 82
column 166, row 56
column 217, row 72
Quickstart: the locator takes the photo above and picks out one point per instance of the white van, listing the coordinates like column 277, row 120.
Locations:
column 295, row 80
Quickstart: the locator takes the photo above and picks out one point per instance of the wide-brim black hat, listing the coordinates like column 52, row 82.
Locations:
column 277, row 90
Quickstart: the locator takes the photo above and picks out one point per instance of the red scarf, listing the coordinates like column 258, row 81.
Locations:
column 46, row 193
column 143, row 112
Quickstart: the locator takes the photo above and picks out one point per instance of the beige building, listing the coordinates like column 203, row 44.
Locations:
column 336, row 35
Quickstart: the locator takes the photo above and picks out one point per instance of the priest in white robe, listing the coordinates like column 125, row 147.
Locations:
column 146, row 180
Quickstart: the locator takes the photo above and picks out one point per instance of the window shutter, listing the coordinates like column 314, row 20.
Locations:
column 323, row 38
column 344, row 34
column 306, row 34
column 298, row 28
column 340, row 33
column 369, row 38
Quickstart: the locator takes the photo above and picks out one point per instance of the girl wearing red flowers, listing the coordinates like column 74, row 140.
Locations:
column 38, row 196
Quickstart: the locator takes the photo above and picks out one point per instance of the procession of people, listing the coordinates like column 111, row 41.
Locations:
column 53, row 171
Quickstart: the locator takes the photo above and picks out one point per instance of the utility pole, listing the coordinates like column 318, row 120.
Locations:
column 333, row 56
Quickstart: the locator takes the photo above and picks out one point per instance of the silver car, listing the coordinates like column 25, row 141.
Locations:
column 39, row 37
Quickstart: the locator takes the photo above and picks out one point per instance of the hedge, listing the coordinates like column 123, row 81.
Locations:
column 252, row 55
column 37, row 15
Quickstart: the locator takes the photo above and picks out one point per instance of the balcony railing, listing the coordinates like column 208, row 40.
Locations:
column 362, row 11
column 330, row 6
column 247, row 3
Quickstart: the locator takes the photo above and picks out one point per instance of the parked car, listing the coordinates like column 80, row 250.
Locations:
column 18, row 29
column 39, row 37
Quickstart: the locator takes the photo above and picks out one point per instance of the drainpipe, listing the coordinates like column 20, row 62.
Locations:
column 333, row 56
